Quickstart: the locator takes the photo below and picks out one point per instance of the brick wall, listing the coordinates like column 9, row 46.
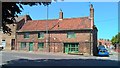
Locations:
column 14, row 28
column 8, row 37
column 95, row 49
column 57, row 40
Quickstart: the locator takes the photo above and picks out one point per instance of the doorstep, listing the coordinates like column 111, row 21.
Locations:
column 75, row 53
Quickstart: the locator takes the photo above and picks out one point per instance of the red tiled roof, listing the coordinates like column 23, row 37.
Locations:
column 56, row 24
column 105, row 42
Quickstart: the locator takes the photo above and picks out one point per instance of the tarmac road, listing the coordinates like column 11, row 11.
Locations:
column 15, row 58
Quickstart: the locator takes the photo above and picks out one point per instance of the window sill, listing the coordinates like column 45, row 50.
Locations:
column 26, row 38
column 70, row 38
column 40, row 38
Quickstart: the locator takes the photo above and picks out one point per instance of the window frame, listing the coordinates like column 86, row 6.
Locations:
column 71, row 35
column 23, row 43
column 40, row 35
column 26, row 35
column 40, row 45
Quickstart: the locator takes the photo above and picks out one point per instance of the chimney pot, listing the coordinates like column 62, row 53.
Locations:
column 92, row 15
column 61, row 15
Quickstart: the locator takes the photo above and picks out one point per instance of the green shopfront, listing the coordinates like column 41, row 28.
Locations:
column 71, row 48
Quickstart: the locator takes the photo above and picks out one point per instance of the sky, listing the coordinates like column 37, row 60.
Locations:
column 105, row 14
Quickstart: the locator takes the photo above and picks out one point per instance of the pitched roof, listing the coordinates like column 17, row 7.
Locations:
column 56, row 24
column 19, row 18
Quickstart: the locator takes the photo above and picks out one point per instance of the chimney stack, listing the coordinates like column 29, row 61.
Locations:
column 60, row 15
column 92, row 15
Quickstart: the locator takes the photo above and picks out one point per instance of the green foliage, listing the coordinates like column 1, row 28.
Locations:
column 10, row 10
column 116, row 39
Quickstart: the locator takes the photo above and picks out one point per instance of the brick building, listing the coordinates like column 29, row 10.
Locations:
column 66, row 35
column 105, row 42
column 10, row 39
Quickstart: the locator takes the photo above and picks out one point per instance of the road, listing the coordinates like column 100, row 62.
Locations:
column 14, row 58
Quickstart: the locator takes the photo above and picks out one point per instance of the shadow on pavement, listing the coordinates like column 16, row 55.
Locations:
column 61, row 62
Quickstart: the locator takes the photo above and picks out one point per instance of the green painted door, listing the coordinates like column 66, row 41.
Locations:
column 66, row 48
column 31, row 46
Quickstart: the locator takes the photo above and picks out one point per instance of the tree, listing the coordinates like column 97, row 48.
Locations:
column 113, row 40
column 116, row 39
column 10, row 10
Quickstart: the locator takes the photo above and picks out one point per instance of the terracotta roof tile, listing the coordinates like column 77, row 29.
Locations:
column 56, row 24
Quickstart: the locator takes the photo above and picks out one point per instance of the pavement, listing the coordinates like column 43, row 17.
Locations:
column 23, row 58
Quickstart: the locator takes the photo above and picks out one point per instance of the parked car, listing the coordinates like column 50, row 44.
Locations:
column 101, row 46
column 103, row 52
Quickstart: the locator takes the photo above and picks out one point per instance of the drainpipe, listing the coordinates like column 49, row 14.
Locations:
column 90, row 43
column 16, row 41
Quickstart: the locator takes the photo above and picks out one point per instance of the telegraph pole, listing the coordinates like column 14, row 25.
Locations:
column 47, row 46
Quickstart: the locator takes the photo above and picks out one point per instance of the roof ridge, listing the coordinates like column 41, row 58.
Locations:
column 76, row 17
column 58, row 19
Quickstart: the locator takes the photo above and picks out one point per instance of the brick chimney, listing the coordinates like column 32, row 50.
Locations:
column 60, row 15
column 92, row 15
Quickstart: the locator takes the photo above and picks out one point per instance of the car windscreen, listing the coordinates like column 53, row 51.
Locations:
column 102, row 50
